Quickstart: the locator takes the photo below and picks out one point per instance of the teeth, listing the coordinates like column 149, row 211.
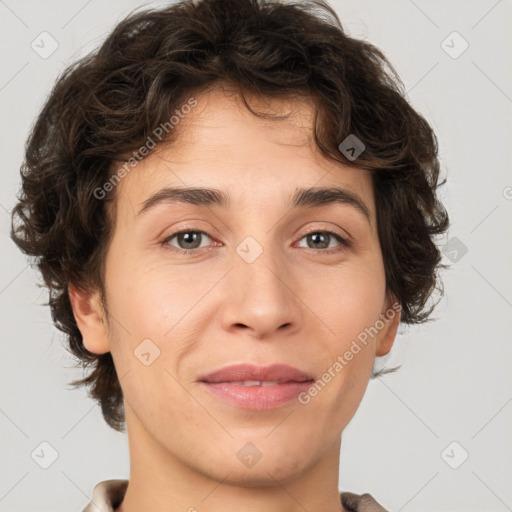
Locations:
column 255, row 382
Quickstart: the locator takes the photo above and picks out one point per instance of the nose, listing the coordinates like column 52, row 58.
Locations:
column 259, row 299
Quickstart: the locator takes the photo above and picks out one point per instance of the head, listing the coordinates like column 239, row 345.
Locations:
column 252, row 99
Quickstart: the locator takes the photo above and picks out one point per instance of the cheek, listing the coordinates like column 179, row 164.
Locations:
column 348, row 300
column 147, row 336
column 349, row 307
column 163, row 305
column 148, row 299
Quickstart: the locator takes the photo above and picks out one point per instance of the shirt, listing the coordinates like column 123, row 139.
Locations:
column 109, row 494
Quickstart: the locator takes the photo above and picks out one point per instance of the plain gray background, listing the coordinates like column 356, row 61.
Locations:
column 455, row 383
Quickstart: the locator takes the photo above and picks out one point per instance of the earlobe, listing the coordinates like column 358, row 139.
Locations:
column 391, row 319
column 90, row 319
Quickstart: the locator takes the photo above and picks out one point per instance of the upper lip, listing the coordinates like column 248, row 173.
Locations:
column 240, row 372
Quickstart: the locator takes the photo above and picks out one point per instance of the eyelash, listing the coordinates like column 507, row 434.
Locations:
column 191, row 252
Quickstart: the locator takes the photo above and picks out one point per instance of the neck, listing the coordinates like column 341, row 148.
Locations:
column 160, row 481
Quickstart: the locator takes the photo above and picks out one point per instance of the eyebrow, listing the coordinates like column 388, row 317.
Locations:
column 302, row 198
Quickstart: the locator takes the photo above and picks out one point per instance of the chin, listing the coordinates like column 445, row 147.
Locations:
column 261, row 475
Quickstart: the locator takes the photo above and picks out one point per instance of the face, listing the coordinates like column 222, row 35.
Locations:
column 256, row 280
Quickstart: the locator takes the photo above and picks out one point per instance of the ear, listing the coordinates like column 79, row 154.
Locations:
column 391, row 318
column 90, row 319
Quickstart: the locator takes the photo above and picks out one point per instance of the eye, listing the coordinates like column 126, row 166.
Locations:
column 187, row 240
column 322, row 240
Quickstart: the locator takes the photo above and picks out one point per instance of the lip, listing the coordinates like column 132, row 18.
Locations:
column 276, row 372
column 290, row 383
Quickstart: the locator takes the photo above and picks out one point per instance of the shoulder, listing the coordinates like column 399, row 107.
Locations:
column 360, row 502
column 107, row 495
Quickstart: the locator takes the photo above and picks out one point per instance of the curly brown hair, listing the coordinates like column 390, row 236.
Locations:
column 104, row 106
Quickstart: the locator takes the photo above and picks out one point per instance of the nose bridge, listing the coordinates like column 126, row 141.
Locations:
column 259, row 296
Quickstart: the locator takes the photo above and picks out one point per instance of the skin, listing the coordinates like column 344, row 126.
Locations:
column 297, row 304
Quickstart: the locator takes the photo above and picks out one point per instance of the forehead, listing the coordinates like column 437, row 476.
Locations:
column 220, row 144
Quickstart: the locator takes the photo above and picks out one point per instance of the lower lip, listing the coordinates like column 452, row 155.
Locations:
column 257, row 397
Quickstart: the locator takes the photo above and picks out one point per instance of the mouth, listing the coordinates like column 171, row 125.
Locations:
column 258, row 388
